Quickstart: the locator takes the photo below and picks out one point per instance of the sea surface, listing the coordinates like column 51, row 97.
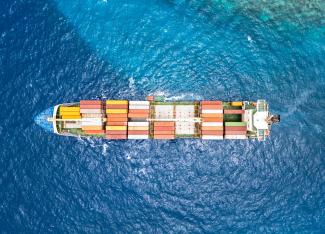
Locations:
column 54, row 51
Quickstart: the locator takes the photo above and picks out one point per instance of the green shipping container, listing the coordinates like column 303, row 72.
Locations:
column 237, row 124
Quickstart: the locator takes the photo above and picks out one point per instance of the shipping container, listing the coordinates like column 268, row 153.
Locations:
column 161, row 132
column 70, row 113
column 204, row 115
column 234, row 111
column 211, row 137
column 212, row 111
column 150, row 98
column 212, row 128
column 164, row 137
column 116, row 111
column 162, row 124
column 143, row 115
column 139, row 103
column 92, row 128
column 164, row 128
column 116, row 137
column 115, row 132
column 138, row 132
column 91, row 102
column 91, row 106
column 135, row 137
column 111, row 119
column 212, row 132
column 236, row 103
column 235, row 124
column 211, row 102
column 91, row 111
column 100, row 132
column 116, row 123
column 117, row 102
column 116, row 127
column 85, row 115
column 235, row 137
column 139, row 112
column 138, row 124
column 117, row 106
column 115, row 115
column 219, row 119
column 69, row 109
column 212, row 124
column 235, row 132
column 235, row 128
column 71, row 117
column 211, row 107
column 138, row 127
column 135, row 107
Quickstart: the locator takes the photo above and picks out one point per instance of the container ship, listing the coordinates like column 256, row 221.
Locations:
column 156, row 118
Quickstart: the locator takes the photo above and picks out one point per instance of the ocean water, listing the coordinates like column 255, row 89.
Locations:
column 54, row 51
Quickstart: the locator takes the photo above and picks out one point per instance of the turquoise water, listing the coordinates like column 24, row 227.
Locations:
column 62, row 51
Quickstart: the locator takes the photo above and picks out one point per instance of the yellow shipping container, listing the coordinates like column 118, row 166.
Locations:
column 69, row 109
column 71, row 117
column 116, row 128
column 70, row 113
column 138, row 128
column 236, row 103
column 118, row 102
column 116, row 111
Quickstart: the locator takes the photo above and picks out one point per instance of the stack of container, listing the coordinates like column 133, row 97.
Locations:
column 92, row 117
column 70, row 112
column 138, row 130
column 234, row 112
column 235, row 130
column 164, row 130
column 212, row 120
column 117, row 119
column 139, row 110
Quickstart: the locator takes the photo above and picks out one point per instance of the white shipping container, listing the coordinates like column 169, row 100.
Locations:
column 91, row 111
column 93, row 115
column 72, row 125
column 209, row 137
column 145, row 124
column 91, row 123
column 138, row 137
column 139, row 103
column 212, row 111
column 138, row 107
column 212, row 124
column 235, row 137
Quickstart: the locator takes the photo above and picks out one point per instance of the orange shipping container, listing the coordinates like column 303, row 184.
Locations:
column 212, row 128
column 111, row 119
column 164, row 137
column 235, row 132
column 85, row 128
column 212, row 119
column 234, row 111
column 95, row 131
column 164, row 128
column 91, row 102
column 211, row 102
column 138, row 132
column 235, row 128
column 211, row 107
column 164, row 132
column 116, row 137
column 117, row 106
column 116, row 123
column 140, row 115
column 114, row 132
column 83, row 106
column 209, row 115
column 164, row 124
column 214, row 132
column 117, row 115
column 134, row 111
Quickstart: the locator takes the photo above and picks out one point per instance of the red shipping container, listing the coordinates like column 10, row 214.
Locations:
column 117, row 106
column 211, row 115
column 116, row 137
column 150, row 98
column 138, row 132
column 95, row 131
column 211, row 102
column 91, row 102
column 235, row 128
column 83, row 106
column 164, row 128
column 161, row 124
column 235, row 132
column 164, row 132
column 212, row 119
column 133, row 111
column 212, row 132
column 116, row 123
column 113, row 119
column 211, row 107
column 234, row 111
column 114, row 132
column 164, row 137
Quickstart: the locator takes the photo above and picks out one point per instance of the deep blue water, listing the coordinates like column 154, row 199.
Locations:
column 54, row 51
